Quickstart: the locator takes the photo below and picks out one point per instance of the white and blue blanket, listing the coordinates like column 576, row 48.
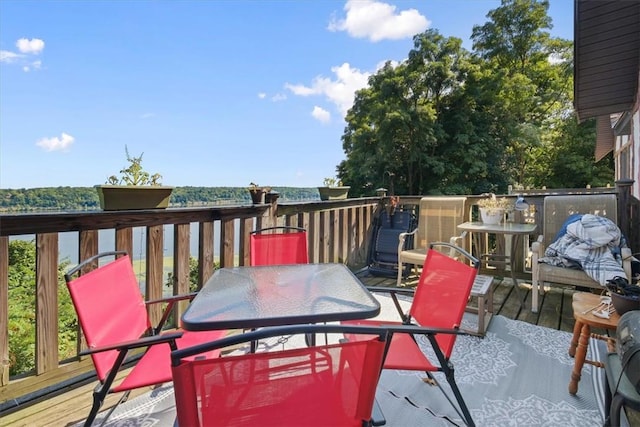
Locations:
column 592, row 244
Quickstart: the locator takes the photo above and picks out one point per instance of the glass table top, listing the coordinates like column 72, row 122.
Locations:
column 251, row 297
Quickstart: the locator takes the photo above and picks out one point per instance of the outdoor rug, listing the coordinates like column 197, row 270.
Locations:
column 516, row 376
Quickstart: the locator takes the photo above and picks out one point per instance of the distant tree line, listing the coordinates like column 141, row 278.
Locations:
column 86, row 198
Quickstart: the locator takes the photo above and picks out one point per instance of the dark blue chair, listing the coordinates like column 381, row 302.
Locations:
column 382, row 259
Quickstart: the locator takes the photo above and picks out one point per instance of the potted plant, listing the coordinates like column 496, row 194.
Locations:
column 134, row 189
column 492, row 209
column 258, row 193
column 333, row 190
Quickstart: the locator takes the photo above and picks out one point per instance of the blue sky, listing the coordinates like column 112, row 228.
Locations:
column 214, row 93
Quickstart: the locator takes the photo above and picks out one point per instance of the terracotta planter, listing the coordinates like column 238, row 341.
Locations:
column 333, row 193
column 129, row 197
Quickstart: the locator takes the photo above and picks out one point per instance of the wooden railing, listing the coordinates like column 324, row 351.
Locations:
column 337, row 230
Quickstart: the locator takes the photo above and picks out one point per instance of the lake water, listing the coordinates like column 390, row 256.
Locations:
column 68, row 243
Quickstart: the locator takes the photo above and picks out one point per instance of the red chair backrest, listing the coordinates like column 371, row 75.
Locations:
column 271, row 248
column 312, row 386
column 442, row 295
column 110, row 309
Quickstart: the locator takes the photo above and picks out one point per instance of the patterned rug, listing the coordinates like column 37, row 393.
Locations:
column 516, row 376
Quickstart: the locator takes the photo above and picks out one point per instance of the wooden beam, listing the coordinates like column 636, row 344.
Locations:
column 154, row 279
column 181, row 270
column 46, row 302
column 205, row 252
column 4, row 311
column 227, row 229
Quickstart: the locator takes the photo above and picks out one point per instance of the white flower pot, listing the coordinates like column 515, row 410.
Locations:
column 493, row 217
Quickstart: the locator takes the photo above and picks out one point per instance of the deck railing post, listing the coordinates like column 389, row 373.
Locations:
column 272, row 212
column 4, row 311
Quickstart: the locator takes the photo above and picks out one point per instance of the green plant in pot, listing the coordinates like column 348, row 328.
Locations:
column 135, row 188
column 333, row 190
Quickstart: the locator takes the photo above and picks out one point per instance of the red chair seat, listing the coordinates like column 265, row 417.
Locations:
column 403, row 352
column 155, row 366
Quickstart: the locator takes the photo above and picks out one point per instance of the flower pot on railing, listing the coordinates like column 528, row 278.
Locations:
column 271, row 196
column 333, row 193
column 134, row 189
column 257, row 196
column 124, row 197
column 258, row 193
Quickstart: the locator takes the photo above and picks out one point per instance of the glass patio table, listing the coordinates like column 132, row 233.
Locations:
column 255, row 297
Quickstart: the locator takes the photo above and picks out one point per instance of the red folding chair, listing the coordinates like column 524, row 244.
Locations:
column 437, row 308
column 279, row 245
column 114, row 320
column 328, row 385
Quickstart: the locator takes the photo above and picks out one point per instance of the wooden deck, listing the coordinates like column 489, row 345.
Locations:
column 73, row 405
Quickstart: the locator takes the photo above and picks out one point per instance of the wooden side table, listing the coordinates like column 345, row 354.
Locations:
column 483, row 290
column 583, row 303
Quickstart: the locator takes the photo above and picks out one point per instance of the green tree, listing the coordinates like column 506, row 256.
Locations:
column 469, row 125
column 566, row 159
column 530, row 78
column 394, row 134
column 447, row 121
column 22, row 311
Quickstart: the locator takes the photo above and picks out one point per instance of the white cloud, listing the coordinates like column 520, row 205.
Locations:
column 321, row 115
column 35, row 65
column 340, row 91
column 9, row 57
column 377, row 21
column 301, row 90
column 26, row 47
column 147, row 115
column 275, row 98
column 55, row 143
column 33, row 46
